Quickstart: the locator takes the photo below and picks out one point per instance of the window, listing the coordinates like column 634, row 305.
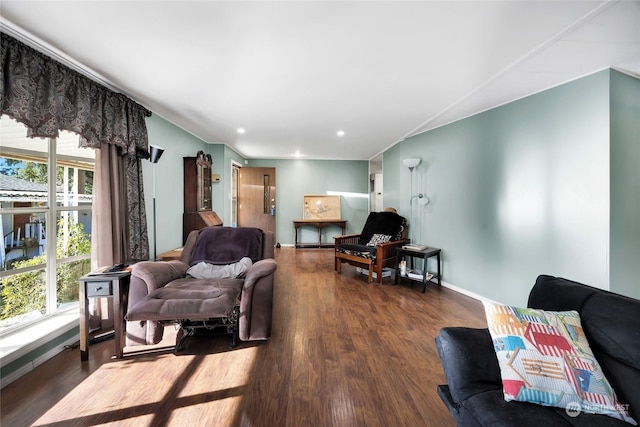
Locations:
column 46, row 188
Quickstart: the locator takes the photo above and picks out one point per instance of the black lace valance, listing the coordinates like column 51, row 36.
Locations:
column 48, row 97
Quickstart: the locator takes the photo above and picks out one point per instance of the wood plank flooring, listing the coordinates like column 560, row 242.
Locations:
column 343, row 352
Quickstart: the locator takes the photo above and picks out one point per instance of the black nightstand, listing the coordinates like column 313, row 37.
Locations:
column 114, row 285
column 402, row 254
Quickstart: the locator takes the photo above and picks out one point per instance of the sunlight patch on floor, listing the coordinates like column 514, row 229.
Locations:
column 141, row 390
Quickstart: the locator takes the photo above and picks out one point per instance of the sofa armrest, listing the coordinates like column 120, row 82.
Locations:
column 256, row 301
column 469, row 361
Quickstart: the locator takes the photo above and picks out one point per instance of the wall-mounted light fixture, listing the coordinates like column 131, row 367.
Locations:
column 155, row 153
column 422, row 199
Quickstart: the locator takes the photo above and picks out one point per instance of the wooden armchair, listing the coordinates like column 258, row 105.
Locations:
column 375, row 247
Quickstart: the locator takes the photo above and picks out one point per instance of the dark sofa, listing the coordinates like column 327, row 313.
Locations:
column 611, row 323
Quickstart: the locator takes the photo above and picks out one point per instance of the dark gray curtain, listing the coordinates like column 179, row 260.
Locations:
column 48, row 97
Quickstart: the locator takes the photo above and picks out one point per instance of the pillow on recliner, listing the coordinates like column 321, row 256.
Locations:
column 204, row 270
column 545, row 358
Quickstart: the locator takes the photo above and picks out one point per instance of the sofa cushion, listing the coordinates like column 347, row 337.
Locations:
column 545, row 358
column 612, row 323
column 490, row 409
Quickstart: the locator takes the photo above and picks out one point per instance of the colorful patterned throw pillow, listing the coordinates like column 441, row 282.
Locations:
column 545, row 358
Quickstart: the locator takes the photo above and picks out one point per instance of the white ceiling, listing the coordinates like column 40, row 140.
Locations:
column 294, row 73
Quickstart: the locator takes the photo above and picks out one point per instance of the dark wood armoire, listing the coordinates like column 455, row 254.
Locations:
column 197, row 195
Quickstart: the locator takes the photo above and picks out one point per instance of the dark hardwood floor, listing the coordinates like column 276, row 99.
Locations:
column 343, row 353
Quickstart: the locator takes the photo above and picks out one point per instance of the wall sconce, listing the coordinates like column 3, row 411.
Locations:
column 155, row 153
column 422, row 200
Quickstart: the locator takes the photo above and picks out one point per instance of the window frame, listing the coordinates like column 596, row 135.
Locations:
column 51, row 213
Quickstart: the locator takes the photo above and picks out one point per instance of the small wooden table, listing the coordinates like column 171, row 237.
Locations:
column 424, row 254
column 170, row 255
column 114, row 285
column 319, row 224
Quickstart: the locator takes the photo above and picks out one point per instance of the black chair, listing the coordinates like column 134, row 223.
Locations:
column 375, row 247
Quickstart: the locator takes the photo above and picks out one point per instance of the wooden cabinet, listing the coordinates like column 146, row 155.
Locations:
column 197, row 195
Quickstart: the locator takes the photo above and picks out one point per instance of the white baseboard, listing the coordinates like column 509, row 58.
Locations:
column 466, row 292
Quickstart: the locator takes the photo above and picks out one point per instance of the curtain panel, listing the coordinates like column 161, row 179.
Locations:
column 47, row 97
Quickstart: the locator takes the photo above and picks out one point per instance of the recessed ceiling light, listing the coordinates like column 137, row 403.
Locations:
column 240, row 130
column 340, row 133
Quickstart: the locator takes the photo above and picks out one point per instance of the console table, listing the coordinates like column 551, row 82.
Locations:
column 425, row 254
column 114, row 285
column 319, row 224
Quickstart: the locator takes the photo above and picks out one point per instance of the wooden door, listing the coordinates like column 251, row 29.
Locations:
column 257, row 198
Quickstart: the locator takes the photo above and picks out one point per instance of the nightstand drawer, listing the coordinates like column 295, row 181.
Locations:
column 98, row 289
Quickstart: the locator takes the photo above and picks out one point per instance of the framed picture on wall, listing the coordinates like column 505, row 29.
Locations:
column 318, row 206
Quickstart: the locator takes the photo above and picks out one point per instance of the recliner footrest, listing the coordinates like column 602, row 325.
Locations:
column 188, row 299
column 194, row 304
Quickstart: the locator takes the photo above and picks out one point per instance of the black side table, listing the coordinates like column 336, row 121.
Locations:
column 114, row 285
column 402, row 254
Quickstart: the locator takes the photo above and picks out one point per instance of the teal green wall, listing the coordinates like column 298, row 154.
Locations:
column 625, row 185
column 295, row 178
column 516, row 191
column 546, row 184
column 169, row 180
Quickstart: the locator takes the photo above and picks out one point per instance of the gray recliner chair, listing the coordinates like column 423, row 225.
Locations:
column 165, row 292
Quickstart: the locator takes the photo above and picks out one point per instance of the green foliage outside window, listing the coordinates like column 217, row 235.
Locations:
column 37, row 172
column 26, row 292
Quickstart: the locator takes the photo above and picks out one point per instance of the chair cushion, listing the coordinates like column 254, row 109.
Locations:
column 389, row 223
column 189, row 299
column 362, row 251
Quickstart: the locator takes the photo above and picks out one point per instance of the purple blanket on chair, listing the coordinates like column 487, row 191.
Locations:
column 227, row 245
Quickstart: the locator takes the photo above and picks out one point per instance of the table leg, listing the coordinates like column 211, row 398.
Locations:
column 84, row 322
column 424, row 274
column 117, row 317
column 439, row 273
